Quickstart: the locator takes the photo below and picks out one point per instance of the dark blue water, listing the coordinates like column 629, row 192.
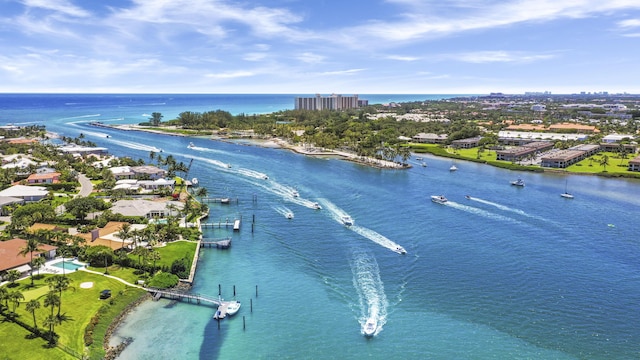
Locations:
column 518, row 273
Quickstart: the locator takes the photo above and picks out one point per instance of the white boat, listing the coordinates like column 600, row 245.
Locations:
column 419, row 158
column 453, row 168
column 566, row 194
column 194, row 181
column 423, row 164
column 289, row 215
column 191, row 146
column 295, row 193
column 316, row 206
column 225, row 201
column 265, row 177
column 518, row 182
column 347, row 220
column 370, row 327
column 440, row 199
column 400, row 250
column 228, row 166
column 233, row 307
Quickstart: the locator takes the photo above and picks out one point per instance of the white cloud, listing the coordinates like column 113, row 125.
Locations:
column 310, row 58
column 479, row 57
column 629, row 23
column 59, row 6
column 343, row 72
column 403, row 58
column 254, row 56
column 230, row 74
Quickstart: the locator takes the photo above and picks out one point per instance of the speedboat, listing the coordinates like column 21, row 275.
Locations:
column 440, row 199
column 289, row 215
column 423, row 164
column 225, row 201
column 370, row 327
column 228, row 166
column 191, row 145
column 194, row 181
column 265, row 177
column 419, row 158
column 233, row 307
column 453, row 168
column 400, row 250
column 347, row 220
column 468, row 197
column 518, row 182
column 316, row 206
column 566, row 195
column 295, row 193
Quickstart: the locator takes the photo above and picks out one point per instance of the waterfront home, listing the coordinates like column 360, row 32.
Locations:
column 109, row 235
column 634, row 164
column 146, row 208
column 11, row 259
column 430, row 138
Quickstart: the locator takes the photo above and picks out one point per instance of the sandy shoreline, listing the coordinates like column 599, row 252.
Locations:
column 279, row 144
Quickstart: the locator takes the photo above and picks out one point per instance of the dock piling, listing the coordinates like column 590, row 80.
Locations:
column 251, row 305
column 243, row 323
column 234, row 290
column 219, row 290
column 256, row 290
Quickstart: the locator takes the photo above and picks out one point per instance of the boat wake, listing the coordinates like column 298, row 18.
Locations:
column 206, row 149
column 284, row 211
column 136, row 146
column 480, row 212
column 253, row 174
column 505, row 208
column 338, row 214
column 372, row 300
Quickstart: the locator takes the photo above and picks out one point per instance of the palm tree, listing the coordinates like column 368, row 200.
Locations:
column 4, row 296
column 51, row 299
column 31, row 246
column 59, row 283
column 123, row 234
column 31, row 307
column 16, row 297
column 51, row 321
column 38, row 263
column 11, row 276
column 153, row 256
column 604, row 161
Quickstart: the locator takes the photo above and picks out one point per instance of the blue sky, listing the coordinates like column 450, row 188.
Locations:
column 320, row 46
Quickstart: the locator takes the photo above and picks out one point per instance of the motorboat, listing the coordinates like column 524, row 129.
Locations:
column 289, row 215
column 370, row 327
column 468, row 197
column 518, row 182
column 316, row 206
column 295, row 193
column 265, row 177
column 233, row 307
column 423, row 164
column 194, row 181
column 400, row 250
column 453, row 168
column 228, row 166
column 440, row 199
column 347, row 220
column 191, row 145
column 419, row 158
column 225, row 200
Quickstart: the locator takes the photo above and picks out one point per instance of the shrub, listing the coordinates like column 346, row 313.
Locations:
column 163, row 280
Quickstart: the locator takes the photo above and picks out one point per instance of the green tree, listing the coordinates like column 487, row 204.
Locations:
column 82, row 206
column 51, row 321
column 31, row 246
column 38, row 262
column 156, row 118
column 99, row 254
column 153, row 256
column 12, row 276
column 604, row 161
column 31, row 307
column 58, row 283
column 4, row 296
column 16, row 297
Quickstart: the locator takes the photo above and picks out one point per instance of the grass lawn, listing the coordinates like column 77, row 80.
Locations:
column 17, row 344
column 79, row 305
column 592, row 165
column 172, row 251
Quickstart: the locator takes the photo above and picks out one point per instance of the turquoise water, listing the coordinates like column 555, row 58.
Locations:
column 67, row 265
column 515, row 273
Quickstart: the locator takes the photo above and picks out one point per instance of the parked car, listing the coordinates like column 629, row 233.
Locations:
column 105, row 294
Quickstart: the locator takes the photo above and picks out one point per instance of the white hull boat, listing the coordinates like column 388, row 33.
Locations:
column 370, row 327
column 440, row 199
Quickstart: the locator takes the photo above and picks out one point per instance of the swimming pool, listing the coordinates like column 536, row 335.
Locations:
column 68, row 265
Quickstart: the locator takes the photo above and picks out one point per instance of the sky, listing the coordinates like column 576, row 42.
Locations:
column 320, row 46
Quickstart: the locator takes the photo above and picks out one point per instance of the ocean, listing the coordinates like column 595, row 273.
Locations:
column 508, row 273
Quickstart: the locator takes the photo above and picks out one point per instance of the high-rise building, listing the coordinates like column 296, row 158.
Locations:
column 331, row 102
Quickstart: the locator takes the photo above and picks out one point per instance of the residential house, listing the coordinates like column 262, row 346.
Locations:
column 46, row 178
column 466, row 143
column 26, row 193
column 430, row 138
column 147, row 208
column 10, row 258
column 6, row 201
column 109, row 235
column 634, row 164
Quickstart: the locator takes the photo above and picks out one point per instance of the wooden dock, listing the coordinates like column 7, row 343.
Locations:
column 235, row 224
column 221, row 305
column 218, row 243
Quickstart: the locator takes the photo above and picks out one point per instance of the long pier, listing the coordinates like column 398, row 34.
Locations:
column 221, row 305
column 219, row 243
column 235, row 224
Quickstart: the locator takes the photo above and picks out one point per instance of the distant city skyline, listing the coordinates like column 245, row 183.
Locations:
column 297, row 47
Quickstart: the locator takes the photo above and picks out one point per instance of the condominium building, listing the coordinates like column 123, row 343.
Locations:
column 331, row 102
